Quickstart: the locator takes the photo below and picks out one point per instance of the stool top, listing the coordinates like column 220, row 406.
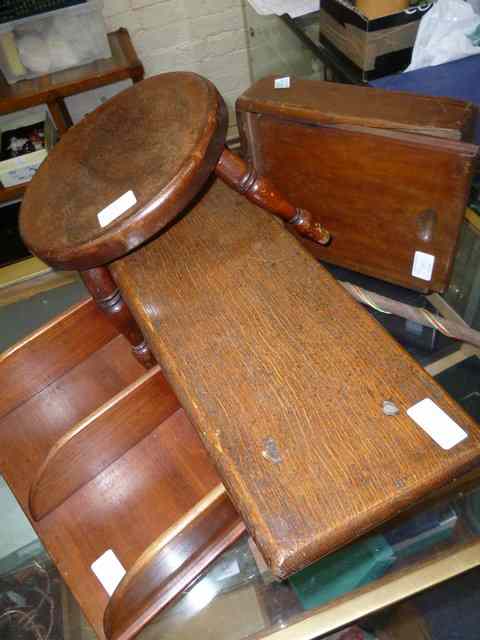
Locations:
column 124, row 172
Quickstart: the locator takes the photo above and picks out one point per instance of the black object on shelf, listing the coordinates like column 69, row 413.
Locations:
column 18, row 9
column 12, row 248
column 462, row 381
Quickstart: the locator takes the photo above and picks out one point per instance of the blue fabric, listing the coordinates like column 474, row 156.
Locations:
column 452, row 610
column 458, row 79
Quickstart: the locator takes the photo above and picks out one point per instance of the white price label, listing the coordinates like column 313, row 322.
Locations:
column 423, row 265
column 116, row 208
column 439, row 426
column 109, row 571
column 282, row 83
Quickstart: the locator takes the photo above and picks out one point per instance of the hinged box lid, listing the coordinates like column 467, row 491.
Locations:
column 317, row 102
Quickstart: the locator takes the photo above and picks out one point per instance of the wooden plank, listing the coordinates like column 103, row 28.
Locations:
column 332, row 103
column 100, row 439
column 47, row 354
column 12, row 193
column 25, row 441
column 285, row 378
column 387, row 173
column 171, row 563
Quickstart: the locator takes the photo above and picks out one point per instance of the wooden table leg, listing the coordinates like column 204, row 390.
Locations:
column 61, row 117
column 107, row 295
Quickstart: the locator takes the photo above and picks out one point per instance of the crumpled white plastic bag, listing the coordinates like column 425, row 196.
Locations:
column 443, row 34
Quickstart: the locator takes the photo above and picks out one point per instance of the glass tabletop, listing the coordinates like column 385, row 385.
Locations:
column 283, row 45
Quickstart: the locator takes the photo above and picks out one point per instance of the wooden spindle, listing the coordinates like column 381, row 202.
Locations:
column 107, row 295
column 261, row 191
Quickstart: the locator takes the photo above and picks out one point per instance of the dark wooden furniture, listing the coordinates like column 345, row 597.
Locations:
column 52, row 89
column 388, row 173
column 144, row 156
column 100, row 456
column 284, row 377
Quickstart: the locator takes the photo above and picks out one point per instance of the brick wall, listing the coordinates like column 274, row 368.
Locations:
column 206, row 36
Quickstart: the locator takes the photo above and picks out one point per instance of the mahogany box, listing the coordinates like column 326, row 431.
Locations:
column 387, row 173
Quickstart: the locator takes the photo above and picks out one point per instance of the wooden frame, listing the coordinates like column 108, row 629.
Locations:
column 368, row 164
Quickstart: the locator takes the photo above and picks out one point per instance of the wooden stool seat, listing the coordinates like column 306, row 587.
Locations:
column 157, row 142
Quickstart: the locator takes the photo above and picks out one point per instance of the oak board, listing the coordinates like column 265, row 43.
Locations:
column 284, row 377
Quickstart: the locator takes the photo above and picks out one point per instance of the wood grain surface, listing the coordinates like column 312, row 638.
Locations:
column 383, row 194
column 171, row 563
column 105, row 435
column 160, row 139
column 284, row 377
column 67, row 340
column 126, row 506
column 317, row 102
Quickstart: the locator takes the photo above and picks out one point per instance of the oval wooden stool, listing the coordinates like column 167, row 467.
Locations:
column 127, row 171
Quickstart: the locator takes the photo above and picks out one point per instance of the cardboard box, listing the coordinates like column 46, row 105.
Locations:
column 376, row 47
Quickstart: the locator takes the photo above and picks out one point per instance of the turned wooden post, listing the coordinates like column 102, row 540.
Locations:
column 107, row 295
column 262, row 192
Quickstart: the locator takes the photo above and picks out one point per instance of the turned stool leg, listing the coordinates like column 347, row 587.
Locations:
column 235, row 172
column 107, row 295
